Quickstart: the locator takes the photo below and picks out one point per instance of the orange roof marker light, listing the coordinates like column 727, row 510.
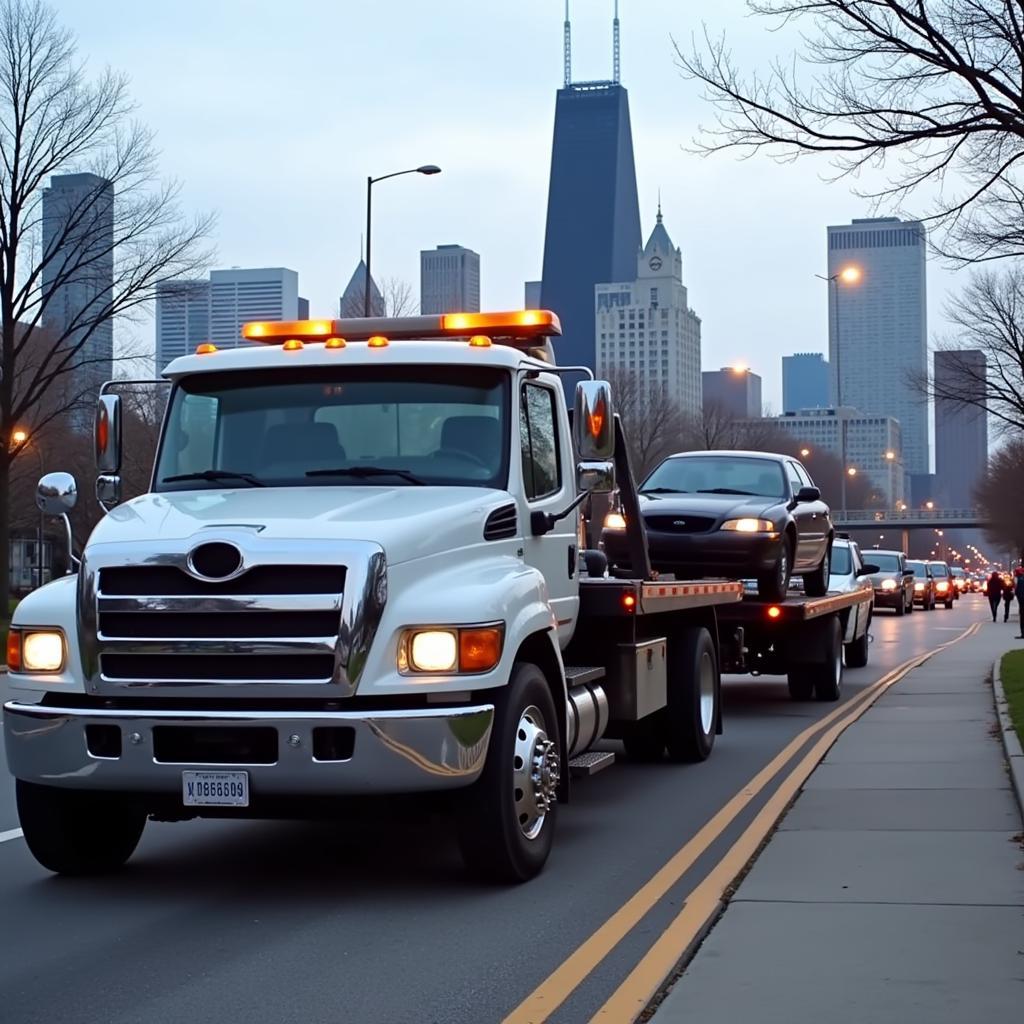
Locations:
column 517, row 323
column 480, row 341
column 377, row 341
column 292, row 345
column 274, row 331
column 334, row 343
column 207, row 348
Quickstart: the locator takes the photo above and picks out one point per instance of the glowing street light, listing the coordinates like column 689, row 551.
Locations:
column 850, row 274
column 929, row 505
column 852, row 471
column 19, row 436
column 890, row 455
column 805, row 452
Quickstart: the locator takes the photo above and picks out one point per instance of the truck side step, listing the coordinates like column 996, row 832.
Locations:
column 577, row 675
column 591, row 762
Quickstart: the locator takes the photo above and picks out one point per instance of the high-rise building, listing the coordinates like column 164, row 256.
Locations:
column 78, row 278
column 878, row 329
column 733, row 390
column 351, row 302
column 236, row 296
column 182, row 319
column 449, row 280
column 646, row 328
column 874, row 444
column 805, row 383
column 592, row 233
column 961, row 431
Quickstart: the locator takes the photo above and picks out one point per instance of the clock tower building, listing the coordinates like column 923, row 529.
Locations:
column 645, row 329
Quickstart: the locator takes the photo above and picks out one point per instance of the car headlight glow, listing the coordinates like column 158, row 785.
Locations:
column 42, row 651
column 888, row 584
column 614, row 521
column 460, row 649
column 433, row 650
column 918, row 586
column 942, row 585
column 748, row 526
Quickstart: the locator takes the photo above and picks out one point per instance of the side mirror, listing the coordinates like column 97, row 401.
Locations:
column 595, row 477
column 56, row 494
column 808, row 494
column 868, row 570
column 908, row 572
column 107, row 435
column 593, row 421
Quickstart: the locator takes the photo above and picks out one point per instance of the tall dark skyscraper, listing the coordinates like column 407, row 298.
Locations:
column 593, row 223
column 961, row 431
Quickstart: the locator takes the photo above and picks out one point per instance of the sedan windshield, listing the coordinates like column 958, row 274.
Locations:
column 886, row 563
column 713, row 474
column 938, row 569
column 917, row 568
column 840, row 561
column 345, row 427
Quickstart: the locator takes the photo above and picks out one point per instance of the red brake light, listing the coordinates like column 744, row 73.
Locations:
column 774, row 611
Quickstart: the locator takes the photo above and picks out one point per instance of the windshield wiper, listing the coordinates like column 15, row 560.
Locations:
column 214, row 475
column 363, row 472
column 661, row 490
column 729, row 490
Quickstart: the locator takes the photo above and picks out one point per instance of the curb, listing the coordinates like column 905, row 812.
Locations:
column 1011, row 741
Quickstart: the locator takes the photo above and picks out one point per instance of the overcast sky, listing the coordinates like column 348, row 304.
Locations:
column 273, row 114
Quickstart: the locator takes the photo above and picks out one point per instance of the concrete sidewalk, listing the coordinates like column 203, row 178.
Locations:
column 893, row 890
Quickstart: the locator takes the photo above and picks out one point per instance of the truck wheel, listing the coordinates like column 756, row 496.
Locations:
column 71, row 832
column 816, row 582
column 645, row 740
column 691, row 716
column 857, row 650
column 801, row 682
column 828, row 674
column 772, row 585
column 506, row 821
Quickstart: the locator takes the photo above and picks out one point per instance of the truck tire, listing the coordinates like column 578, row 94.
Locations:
column 857, row 650
column 816, row 581
column 801, row 682
column 828, row 674
column 72, row 832
column 506, row 820
column 691, row 717
column 772, row 585
column 645, row 740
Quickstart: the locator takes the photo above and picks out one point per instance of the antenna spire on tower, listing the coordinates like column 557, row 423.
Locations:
column 568, row 47
column 615, row 44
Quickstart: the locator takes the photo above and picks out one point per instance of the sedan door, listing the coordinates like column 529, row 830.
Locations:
column 803, row 512
column 818, row 521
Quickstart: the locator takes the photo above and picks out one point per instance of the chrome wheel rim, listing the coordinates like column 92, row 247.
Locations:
column 535, row 772
column 707, row 693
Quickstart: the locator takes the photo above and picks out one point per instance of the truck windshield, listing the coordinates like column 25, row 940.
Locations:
column 376, row 426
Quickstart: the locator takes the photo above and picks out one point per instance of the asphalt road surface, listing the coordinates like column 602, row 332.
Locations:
column 373, row 921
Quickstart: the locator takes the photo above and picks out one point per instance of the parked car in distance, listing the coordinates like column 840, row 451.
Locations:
column 850, row 572
column 961, row 582
column 945, row 592
column 894, row 582
column 734, row 514
column 924, row 584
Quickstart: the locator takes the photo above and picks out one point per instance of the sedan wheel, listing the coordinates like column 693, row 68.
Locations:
column 772, row 586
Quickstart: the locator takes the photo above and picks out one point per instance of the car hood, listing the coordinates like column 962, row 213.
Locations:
column 407, row 522
column 716, row 506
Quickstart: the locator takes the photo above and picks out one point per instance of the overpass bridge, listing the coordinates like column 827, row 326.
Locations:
column 910, row 519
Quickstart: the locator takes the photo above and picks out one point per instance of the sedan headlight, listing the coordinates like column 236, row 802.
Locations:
column 888, row 584
column 461, row 649
column 918, row 587
column 749, row 526
column 614, row 521
column 942, row 586
column 35, row 650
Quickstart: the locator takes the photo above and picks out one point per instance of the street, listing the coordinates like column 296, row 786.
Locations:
column 319, row 922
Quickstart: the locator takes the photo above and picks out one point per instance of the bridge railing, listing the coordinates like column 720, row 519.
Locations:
column 908, row 517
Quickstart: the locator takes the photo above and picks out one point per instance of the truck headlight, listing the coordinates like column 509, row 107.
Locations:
column 461, row 649
column 748, row 526
column 888, row 584
column 36, row 650
column 614, row 521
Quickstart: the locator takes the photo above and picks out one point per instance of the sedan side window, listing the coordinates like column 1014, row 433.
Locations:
column 794, row 477
column 804, row 476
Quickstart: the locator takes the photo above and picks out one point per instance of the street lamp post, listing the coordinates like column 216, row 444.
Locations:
column 849, row 275
column 370, row 182
column 23, row 439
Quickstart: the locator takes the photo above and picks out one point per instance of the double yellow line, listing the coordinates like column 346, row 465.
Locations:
column 705, row 901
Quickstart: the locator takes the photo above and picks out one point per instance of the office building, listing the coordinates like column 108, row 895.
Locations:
column 646, row 328
column 878, row 327
column 870, row 441
column 961, row 431
column 449, row 280
column 592, row 234
column 351, row 302
column 77, row 282
column 182, row 319
column 733, row 390
column 237, row 296
column 532, row 295
column 805, row 383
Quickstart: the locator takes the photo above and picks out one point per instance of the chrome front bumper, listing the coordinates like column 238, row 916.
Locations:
column 393, row 751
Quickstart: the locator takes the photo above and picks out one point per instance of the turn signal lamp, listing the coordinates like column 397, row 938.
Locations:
column 479, row 649
column 774, row 611
column 628, row 602
column 207, row 348
column 377, row 341
column 14, row 651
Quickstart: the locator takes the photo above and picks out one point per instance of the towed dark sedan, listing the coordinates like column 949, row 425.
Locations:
column 738, row 514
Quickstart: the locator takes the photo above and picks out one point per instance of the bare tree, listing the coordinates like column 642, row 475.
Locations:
column 987, row 317
column 1000, row 496
column 89, row 256
column 654, row 425
column 397, row 297
column 940, row 83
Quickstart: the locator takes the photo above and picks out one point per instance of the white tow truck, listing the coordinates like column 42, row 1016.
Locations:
column 359, row 569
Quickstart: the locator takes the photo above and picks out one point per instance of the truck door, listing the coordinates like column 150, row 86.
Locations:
column 548, row 487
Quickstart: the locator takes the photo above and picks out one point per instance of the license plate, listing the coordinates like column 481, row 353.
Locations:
column 215, row 789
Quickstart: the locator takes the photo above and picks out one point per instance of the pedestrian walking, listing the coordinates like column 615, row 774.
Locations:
column 1018, row 584
column 994, row 592
column 1009, row 593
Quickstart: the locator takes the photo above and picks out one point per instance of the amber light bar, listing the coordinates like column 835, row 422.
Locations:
column 515, row 325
